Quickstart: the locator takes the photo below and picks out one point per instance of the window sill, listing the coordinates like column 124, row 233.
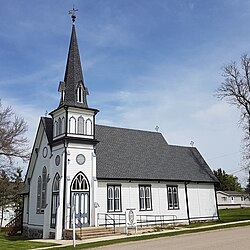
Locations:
column 116, row 211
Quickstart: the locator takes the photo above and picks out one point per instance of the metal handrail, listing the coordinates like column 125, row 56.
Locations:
column 149, row 220
column 15, row 224
column 111, row 219
column 107, row 219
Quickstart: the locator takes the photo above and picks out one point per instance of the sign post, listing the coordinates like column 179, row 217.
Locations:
column 131, row 221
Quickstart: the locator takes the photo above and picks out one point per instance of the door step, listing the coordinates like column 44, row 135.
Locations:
column 88, row 232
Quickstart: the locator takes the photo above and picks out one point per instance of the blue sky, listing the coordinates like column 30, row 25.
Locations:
column 146, row 63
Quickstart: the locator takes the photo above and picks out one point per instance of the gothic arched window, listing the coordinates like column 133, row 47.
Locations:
column 39, row 193
column 59, row 126
column 56, row 128
column 55, row 200
column 44, row 187
column 80, row 183
column 79, row 94
column 80, row 126
column 72, row 125
column 63, row 125
column 88, row 127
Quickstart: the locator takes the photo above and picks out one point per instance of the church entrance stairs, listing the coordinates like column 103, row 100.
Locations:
column 89, row 232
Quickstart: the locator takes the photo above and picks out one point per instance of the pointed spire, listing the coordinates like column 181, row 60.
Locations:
column 73, row 91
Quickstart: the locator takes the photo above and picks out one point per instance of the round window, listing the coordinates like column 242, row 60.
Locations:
column 45, row 152
column 57, row 160
column 80, row 159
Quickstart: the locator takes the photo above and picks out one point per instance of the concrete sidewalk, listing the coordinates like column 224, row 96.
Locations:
column 63, row 243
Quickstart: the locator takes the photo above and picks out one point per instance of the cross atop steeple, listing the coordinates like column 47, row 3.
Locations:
column 73, row 13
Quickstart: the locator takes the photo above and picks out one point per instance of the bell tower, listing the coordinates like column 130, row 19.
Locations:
column 74, row 141
column 73, row 118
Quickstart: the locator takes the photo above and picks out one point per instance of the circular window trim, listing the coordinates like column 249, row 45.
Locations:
column 80, row 159
column 45, row 152
column 57, row 160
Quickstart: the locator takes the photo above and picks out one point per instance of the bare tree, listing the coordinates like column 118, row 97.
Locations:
column 236, row 90
column 13, row 142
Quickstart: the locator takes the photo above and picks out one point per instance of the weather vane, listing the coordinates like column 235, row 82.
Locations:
column 73, row 13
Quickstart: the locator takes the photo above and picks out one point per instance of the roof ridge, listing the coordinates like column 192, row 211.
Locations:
column 180, row 146
column 130, row 129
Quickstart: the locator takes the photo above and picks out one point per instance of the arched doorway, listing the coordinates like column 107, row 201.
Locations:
column 80, row 200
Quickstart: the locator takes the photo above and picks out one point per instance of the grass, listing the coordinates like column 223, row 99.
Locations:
column 19, row 242
column 227, row 215
column 237, row 214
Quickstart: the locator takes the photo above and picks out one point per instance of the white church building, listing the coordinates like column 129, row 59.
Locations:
column 102, row 171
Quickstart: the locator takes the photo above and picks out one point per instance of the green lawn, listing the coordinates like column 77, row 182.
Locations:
column 227, row 215
column 19, row 242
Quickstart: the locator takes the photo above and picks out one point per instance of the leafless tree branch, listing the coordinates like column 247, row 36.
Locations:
column 235, row 89
column 13, row 142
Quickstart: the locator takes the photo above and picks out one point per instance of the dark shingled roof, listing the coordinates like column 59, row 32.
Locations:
column 73, row 76
column 133, row 154
column 142, row 155
column 48, row 125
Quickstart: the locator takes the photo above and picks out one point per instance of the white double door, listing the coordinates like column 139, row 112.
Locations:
column 80, row 208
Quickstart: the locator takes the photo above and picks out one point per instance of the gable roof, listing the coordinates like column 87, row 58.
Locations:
column 142, row 155
column 48, row 127
column 45, row 126
column 231, row 193
column 134, row 154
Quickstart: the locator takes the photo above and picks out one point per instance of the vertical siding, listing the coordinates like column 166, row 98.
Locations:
column 34, row 217
column 130, row 198
column 73, row 168
column 202, row 203
column 25, row 209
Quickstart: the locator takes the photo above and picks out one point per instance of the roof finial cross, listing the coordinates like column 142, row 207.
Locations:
column 73, row 13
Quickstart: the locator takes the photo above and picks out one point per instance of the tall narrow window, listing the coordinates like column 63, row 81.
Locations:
column 79, row 94
column 145, row 199
column 55, row 200
column 88, row 127
column 56, row 128
column 44, row 188
column 173, row 200
column 63, row 95
column 80, row 126
column 59, row 126
column 110, row 198
column 72, row 125
column 117, row 198
column 63, row 125
column 114, row 198
column 39, row 193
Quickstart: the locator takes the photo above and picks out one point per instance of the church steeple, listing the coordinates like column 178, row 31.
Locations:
column 73, row 91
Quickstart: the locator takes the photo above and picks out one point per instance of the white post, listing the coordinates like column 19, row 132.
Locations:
column 74, row 224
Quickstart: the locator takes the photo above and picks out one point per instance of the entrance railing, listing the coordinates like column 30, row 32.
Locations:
column 15, row 224
column 114, row 220
column 119, row 220
column 155, row 220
